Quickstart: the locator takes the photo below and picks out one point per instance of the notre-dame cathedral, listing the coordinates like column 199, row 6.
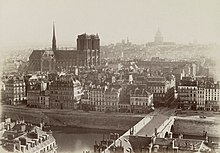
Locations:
column 86, row 55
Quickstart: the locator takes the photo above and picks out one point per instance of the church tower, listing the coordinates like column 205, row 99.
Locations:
column 88, row 47
column 54, row 39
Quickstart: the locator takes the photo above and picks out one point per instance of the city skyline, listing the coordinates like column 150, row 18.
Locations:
column 29, row 23
column 113, row 76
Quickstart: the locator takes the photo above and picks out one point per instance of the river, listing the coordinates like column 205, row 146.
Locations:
column 77, row 140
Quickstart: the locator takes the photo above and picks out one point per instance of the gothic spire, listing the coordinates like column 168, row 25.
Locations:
column 54, row 39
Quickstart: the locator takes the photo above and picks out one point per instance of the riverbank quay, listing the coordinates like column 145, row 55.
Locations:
column 73, row 118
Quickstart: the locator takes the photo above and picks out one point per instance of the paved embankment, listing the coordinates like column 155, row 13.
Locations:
column 194, row 125
column 97, row 120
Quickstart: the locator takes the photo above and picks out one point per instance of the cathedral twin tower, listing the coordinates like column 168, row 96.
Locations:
column 86, row 55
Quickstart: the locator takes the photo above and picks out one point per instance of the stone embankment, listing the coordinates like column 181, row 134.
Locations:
column 74, row 118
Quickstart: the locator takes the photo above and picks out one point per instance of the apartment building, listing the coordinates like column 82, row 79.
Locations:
column 15, row 91
column 187, row 93
column 65, row 93
column 200, row 94
column 112, row 98
column 162, row 89
column 97, row 98
column 140, row 100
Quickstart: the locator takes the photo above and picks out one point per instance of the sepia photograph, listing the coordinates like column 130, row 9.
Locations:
column 109, row 76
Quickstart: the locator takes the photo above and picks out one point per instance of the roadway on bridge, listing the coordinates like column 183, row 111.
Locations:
column 158, row 119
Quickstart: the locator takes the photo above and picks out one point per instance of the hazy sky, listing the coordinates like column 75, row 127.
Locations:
column 29, row 22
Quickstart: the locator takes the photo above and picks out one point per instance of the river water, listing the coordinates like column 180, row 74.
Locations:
column 77, row 140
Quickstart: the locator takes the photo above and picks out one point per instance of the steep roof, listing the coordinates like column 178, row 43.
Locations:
column 188, row 144
column 142, row 91
column 36, row 54
column 65, row 54
column 138, row 142
column 59, row 54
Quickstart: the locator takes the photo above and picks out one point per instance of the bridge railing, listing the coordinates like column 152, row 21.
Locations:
column 137, row 127
column 166, row 123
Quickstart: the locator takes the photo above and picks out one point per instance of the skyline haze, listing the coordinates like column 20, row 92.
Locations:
column 29, row 23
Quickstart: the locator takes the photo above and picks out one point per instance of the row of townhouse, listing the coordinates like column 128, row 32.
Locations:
column 162, row 88
column 62, row 93
column 112, row 99
column 15, row 88
column 200, row 94
column 102, row 98
column 38, row 95
column 140, row 100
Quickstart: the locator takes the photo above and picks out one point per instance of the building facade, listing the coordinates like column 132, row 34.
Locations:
column 44, row 99
column 97, row 98
column 65, row 93
column 15, row 91
column 33, row 94
column 162, row 90
column 112, row 98
column 88, row 50
column 211, row 95
column 200, row 94
column 187, row 93
column 38, row 95
column 103, row 99
column 141, row 100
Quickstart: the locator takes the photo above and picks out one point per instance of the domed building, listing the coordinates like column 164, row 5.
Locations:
column 158, row 39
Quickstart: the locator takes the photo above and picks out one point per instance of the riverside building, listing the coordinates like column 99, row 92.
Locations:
column 162, row 89
column 202, row 94
column 15, row 90
column 23, row 137
column 65, row 92
column 140, row 100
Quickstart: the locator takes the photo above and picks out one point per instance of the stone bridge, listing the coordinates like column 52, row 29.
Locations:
column 158, row 124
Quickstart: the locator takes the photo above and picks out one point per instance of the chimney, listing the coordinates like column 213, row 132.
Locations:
column 153, row 139
column 155, row 148
column 41, row 126
column 19, row 145
column 170, row 135
column 191, row 146
column 8, row 127
column 155, row 131
column 28, row 146
column 23, row 149
column 173, row 144
column 180, row 136
column 120, row 143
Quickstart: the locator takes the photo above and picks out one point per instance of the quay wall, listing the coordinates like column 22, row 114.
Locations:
column 74, row 118
column 196, row 126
